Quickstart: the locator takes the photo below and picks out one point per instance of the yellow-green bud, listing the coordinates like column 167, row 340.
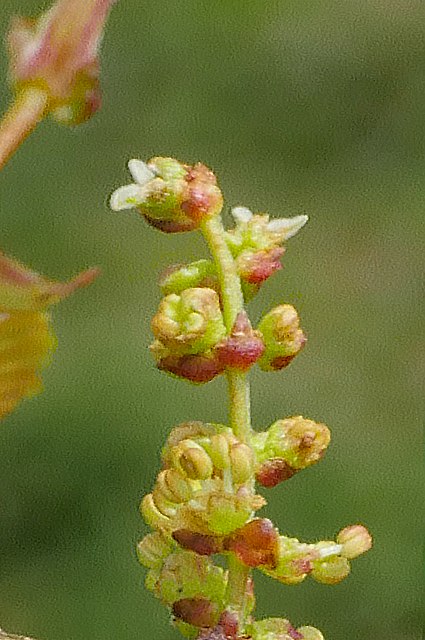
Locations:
column 331, row 570
column 218, row 449
column 152, row 515
column 355, row 540
column 174, row 486
column 282, row 337
column 196, row 463
column 310, row 633
column 189, row 323
column 165, row 506
column 242, row 460
column 152, row 550
column 177, row 278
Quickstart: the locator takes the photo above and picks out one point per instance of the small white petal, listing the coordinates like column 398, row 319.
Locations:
column 288, row 226
column 242, row 214
column 140, row 171
column 333, row 550
column 127, row 197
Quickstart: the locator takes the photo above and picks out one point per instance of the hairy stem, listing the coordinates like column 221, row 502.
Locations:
column 18, row 122
column 239, row 392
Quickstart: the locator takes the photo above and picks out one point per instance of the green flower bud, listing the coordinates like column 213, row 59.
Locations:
column 282, row 337
column 355, row 540
column 153, row 516
column 188, row 575
column 297, row 441
column 310, row 633
column 331, row 570
column 153, row 549
column 196, row 463
column 174, row 486
column 172, row 196
column 218, row 449
column 176, row 279
column 242, row 462
column 190, row 323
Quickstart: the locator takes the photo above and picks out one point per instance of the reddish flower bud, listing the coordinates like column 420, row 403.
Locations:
column 201, row 544
column 195, row 368
column 256, row 543
column 199, row 612
column 273, row 472
column 243, row 347
column 257, row 267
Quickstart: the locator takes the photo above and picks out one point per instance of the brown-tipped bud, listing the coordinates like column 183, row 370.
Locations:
column 256, row 267
column 243, row 347
column 201, row 544
column 273, row 472
column 172, row 196
column 196, row 463
column 355, row 540
column 256, row 543
column 282, row 337
column 199, row 612
column 189, row 323
column 174, row 486
column 198, row 369
column 152, row 550
column 242, row 462
column 297, row 442
column 331, row 570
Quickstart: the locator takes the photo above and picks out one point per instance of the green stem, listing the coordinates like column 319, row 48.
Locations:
column 239, row 393
column 18, row 122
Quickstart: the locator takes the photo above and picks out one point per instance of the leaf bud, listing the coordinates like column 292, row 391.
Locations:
column 177, row 278
column 189, row 323
column 199, row 612
column 242, row 348
column 242, row 462
column 153, row 549
column 256, row 543
column 282, row 337
column 355, row 540
column 174, row 486
column 172, row 196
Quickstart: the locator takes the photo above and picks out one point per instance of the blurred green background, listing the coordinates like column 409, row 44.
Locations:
column 300, row 107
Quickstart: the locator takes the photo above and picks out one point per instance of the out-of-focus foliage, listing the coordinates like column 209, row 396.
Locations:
column 314, row 108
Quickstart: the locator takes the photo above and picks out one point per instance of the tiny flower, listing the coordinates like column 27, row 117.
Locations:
column 58, row 52
column 173, row 197
column 282, row 337
column 26, row 337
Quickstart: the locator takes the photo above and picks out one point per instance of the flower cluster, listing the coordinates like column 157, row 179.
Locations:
column 204, row 503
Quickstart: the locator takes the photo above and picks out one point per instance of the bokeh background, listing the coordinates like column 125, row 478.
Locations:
column 300, row 107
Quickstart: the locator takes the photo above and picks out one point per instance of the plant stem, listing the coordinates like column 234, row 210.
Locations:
column 18, row 122
column 239, row 392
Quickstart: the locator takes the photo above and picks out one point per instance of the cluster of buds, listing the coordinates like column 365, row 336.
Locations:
column 204, row 503
column 26, row 336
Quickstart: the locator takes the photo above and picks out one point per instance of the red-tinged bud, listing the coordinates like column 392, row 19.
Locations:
column 256, row 543
column 201, row 544
column 196, row 368
column 199, row 612
column 243, row 347
column 282, row 337
column 273, row 472
column 257, row 267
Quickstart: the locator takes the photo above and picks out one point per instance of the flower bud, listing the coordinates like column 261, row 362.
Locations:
column 256, row 268
column 219, row 451
column 172, row 196
column 310, row 633
column 198, row 369
column 297, row 441
column 196, row 463
column 58, row 53
column 331, row 570
column 177, row 278
column 200, row 543
column 355, row 540
column 242, row 462
column 199, row 612
column 282, row 337
column 152, row 515
column 243, row 347
column 274, row 629
column 272, row 472
column 295, row 561
column 153, row 549
column 174, row 486
column 256, row 543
